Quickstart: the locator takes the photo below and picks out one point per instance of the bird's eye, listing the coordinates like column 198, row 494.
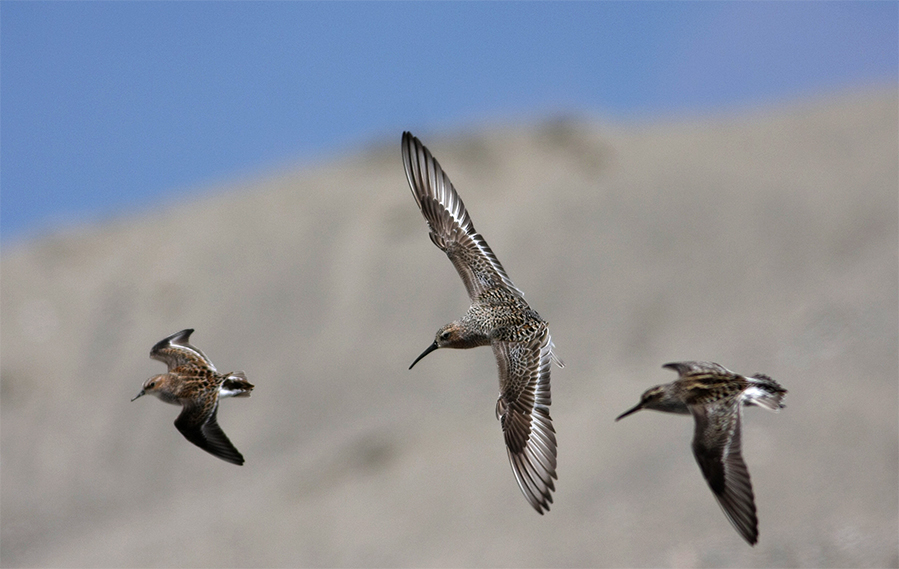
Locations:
column 445, row 335
column 151, row 385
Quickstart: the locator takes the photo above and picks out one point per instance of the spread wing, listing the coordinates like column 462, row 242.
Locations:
column 523, row 410
column 198, row 425
column 716, row 446
column 176, row 351
column 450, row 226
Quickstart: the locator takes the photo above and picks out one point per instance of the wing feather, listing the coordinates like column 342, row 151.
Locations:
column 202, row 429
column 176, row 351
column 687, row 369
column 523, row 410
column 716, row 446
column 451, row 228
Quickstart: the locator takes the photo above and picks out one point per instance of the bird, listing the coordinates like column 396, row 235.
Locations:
column 715, row 396
column 499, row 317
column 194, row 383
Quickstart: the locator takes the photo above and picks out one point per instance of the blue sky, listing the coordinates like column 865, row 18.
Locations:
column 108, row 108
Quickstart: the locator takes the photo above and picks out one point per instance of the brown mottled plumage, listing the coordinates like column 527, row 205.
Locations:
column 500, row 317
column 715, row 396
column 193, row 382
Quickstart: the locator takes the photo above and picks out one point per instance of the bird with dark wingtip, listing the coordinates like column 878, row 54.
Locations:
column 498, row 317
column 715, row 396
column 193, row 382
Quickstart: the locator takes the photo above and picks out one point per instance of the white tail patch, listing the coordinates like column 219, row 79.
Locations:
column 754, row 395
column 235, row 385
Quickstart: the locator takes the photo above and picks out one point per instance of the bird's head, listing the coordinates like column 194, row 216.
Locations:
column 653, row 398
column 153, row 386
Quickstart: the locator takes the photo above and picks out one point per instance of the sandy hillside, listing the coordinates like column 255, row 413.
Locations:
column 765, row 241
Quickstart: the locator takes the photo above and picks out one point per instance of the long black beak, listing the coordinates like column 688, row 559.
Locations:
column 427, row 351
column 142, row 392
column 629, row 411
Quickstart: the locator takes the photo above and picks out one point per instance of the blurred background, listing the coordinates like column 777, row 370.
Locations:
column 665, row 182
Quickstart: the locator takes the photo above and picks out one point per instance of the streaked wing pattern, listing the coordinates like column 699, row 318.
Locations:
column 176, row 351
column 450, row 226
column 523, row 409
column 717, row 448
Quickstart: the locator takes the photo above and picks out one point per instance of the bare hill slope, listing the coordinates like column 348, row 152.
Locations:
column 766, row 242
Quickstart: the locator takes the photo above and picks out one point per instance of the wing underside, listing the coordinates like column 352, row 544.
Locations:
column 451, row 228
column 717, row 448
column 523, row 410
column 202, row 429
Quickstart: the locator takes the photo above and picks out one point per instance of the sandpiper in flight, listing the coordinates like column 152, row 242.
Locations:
column 194, row 383
column 499, row 317
column 715, row 396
